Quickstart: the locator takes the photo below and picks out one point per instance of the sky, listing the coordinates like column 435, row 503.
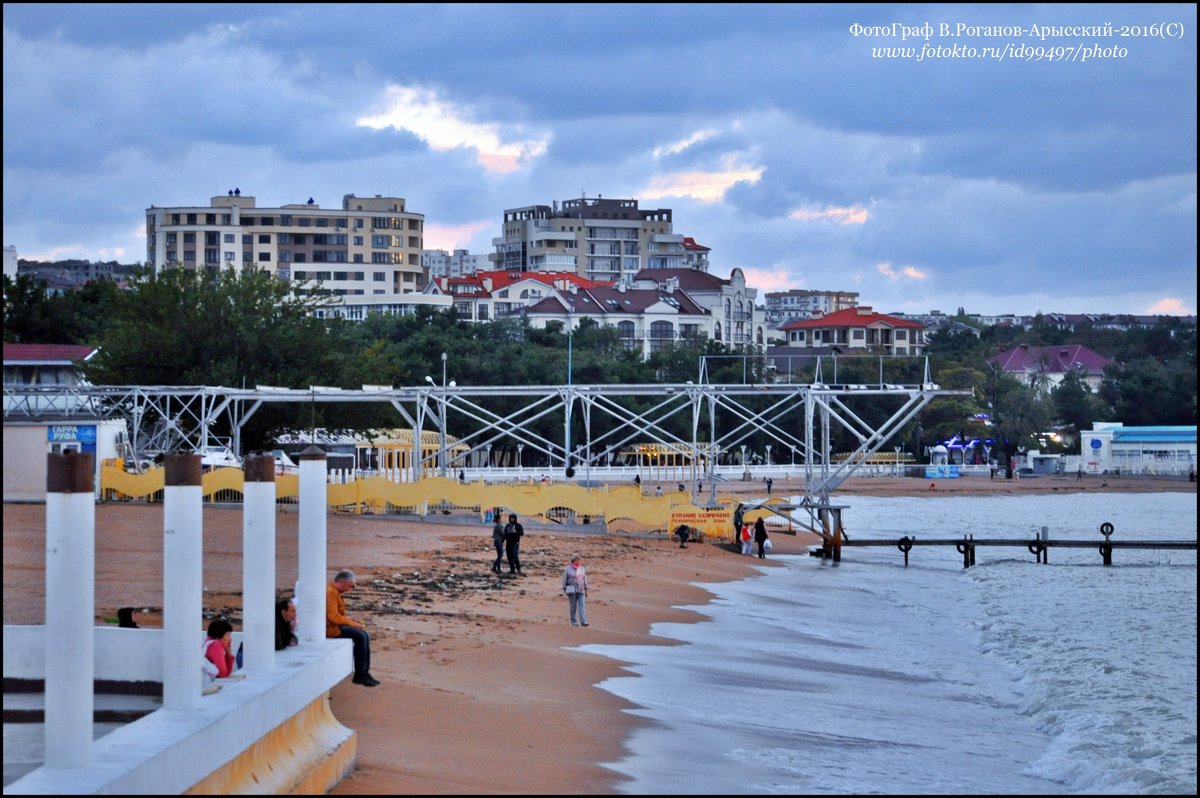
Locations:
column 997, row 158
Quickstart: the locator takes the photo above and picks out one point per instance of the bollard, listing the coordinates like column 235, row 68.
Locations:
column 70, row 610
column 258, row 562
column 961, row 548
column 183, row 586
column 1106, row 529
column 971, row 549
column 905, row 545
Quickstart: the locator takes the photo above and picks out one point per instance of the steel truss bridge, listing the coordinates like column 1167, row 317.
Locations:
column 578, row 430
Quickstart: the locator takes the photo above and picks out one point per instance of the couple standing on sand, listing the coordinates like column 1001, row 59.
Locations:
column 507, row 540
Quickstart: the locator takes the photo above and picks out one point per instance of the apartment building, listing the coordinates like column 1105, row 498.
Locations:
column 607, row 240
column 798, row 304
column 440, row 263
column 857, row 330
column 647, row 319
column 370, row 246
column 487, row 295
column 737, row 321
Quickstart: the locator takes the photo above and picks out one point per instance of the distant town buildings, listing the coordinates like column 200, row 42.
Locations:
column 798, row 304
column 607, row 240
column 737, row 322
column 440, row 263
column 370, row 246
column 10, row 262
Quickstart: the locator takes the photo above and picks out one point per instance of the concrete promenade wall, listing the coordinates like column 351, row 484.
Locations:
column 271, row 732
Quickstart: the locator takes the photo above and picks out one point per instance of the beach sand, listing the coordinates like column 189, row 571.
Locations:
column 480, row 691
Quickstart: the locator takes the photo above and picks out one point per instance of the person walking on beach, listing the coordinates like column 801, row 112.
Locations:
column 746, row 539
column 497, row 539
column 513, row 532
column 575, row 586
column 760, row 537
column 739, row 515
column 339, row 624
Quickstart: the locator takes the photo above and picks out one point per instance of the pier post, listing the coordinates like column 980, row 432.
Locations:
column 1106, row 529
column 258, row 563
column 183, row 585
column 837, row 534
column 70, row 609
column 313, row 525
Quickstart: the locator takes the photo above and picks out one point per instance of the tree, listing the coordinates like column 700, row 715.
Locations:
column 1073, row 403
column 202, row 327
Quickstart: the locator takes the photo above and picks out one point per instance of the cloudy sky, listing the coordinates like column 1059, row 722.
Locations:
column 1035, row 161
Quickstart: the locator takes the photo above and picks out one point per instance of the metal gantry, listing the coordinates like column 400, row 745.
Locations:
column 573, row 428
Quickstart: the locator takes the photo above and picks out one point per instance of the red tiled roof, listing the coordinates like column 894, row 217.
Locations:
column 1055, row 359
column 47, row 353
column 689, row 279
column 473, row 283
column 861, row 316
column 611, row 300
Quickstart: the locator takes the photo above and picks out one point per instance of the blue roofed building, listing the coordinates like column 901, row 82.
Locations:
column 1111, row 447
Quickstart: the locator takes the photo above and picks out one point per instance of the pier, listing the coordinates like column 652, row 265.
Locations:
column 1038, row 546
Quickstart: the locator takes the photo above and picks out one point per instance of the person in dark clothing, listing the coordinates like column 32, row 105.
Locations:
column 497, row 540
column 760, row 537
column 285, row 624
column 513, row 532
column 739, row 516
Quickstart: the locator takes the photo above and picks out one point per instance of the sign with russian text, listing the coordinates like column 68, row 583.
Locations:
column 710, row 522
column 71, row 433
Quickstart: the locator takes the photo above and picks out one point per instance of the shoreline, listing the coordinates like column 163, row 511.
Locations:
column 480, row 691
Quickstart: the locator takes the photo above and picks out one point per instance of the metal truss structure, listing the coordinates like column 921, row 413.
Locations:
column 578, row 430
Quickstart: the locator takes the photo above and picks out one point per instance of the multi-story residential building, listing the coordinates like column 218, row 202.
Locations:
column 737, row 322
column 605, row 240
column 370, row 246
column 798, row 304
column 440, row 263
column 648, row 319
column 695, row 256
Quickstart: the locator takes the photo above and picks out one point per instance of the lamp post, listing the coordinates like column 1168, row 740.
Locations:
column 520, row 459
column 768, row 455
column 443, row 369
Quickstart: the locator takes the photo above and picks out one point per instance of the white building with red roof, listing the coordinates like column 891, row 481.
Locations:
column 857, row 330
column 489, row 295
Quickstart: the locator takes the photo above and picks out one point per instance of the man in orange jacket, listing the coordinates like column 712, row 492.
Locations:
column 338, row 624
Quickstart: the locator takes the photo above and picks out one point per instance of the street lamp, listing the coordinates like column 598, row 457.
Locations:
column 443, row 369
column 768, row 455
column 520, row 459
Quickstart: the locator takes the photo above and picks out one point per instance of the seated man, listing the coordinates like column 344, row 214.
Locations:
column 338, row 624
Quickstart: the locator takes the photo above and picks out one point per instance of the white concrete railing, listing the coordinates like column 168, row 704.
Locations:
column 170, row 751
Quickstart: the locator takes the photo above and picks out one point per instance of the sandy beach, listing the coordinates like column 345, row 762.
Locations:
column 481, row 692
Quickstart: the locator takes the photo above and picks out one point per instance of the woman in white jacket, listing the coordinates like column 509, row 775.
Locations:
column 574, row 585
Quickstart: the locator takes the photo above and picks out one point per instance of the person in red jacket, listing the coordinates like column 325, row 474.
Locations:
column 218, row 647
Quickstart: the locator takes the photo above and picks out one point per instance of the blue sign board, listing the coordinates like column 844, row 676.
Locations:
column 941, row 472
column 1096, row 444
column 72, row 433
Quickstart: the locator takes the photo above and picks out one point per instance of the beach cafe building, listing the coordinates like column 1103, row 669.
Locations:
column 1111, row 447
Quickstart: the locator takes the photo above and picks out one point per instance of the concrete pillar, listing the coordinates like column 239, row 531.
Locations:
column 310, row 623
column 258, row 564
column 70, row 609
column 183, row 585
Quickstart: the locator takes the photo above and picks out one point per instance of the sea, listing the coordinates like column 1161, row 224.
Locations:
column 1008, row 677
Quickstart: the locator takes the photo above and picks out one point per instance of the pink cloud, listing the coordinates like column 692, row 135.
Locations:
column 1169, row 306
column 855, row 214
column 767, row 279
column 453, row 236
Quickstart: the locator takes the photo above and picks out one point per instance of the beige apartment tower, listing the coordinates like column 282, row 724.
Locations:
column 370, row 246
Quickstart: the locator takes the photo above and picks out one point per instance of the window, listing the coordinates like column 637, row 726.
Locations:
column 285, row 255
column 305, row 221
column 285, row 220
column 247, row 240
column 229, row 257
column 171, row 255
column 358, row 241
column 299, row 257
column 210, row 218
column 189, row 255
column 358, row 258
column 322, row 222
column 380, row 242
column 230, row 238
column 858, row 335
column 174, row 218
column 212, row 256
column 170, row 239
column 191, row 218
column 264, row 257
column 264, row 238
column 379, row 277
column 189, row 238
column 268, row 221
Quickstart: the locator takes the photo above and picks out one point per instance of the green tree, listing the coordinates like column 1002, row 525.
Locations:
column 1073, row 403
